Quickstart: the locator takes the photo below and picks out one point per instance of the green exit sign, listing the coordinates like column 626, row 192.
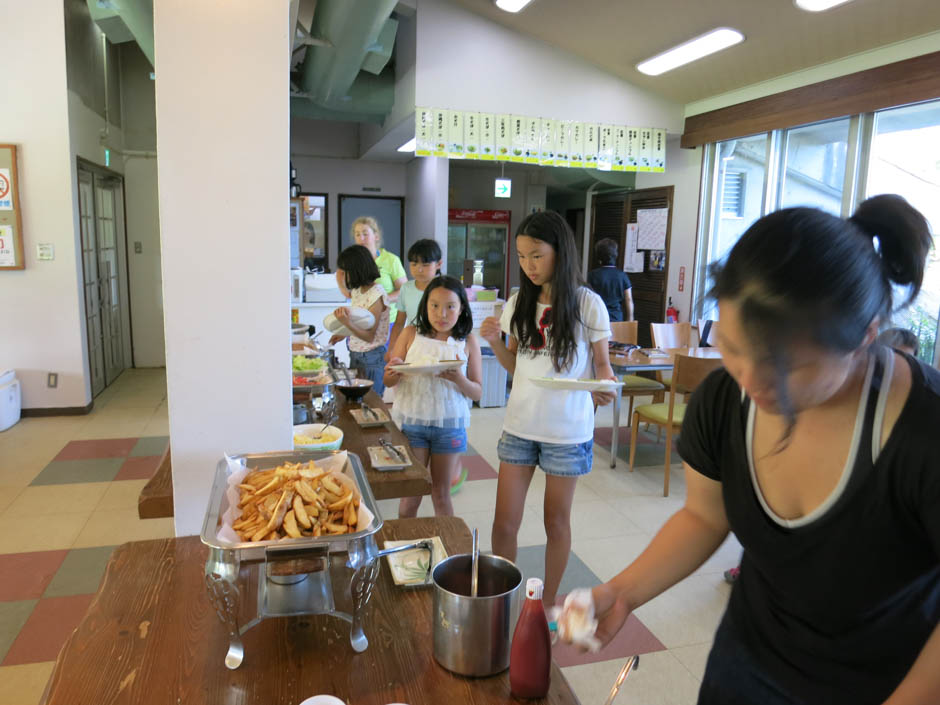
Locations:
column 503, row 188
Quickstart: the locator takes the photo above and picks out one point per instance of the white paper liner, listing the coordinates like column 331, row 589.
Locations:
column 237, row 472
column 582, row 600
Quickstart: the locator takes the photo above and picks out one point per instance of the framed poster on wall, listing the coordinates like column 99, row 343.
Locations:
column 12, row 255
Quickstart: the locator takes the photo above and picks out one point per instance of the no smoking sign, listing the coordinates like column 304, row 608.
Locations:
column 6, row 199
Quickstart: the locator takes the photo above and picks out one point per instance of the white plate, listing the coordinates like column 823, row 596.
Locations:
column 366, row 420
column 358, row 316
column 382, row 459
column 433, row 369
column 410, row 568
column 587, row 385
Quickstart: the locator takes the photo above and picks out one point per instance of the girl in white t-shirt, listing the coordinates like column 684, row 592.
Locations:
column 356, row 275
column 433, row 411
column 557, row 327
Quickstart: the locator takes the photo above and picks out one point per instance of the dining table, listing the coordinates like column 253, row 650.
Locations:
column 646, row 360
column 411, row 481
column 151, row 636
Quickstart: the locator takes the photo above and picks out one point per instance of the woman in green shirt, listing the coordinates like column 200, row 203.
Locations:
column 366, row 232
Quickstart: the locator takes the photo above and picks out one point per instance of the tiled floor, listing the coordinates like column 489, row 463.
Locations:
column 68, row 495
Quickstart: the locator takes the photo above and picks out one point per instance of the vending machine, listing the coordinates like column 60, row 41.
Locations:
column 479, row 235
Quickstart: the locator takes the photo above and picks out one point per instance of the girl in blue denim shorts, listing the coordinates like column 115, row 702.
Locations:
column 557, row 327
column 433, row 409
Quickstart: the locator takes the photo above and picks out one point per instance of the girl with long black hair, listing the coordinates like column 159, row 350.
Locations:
column 557, row 327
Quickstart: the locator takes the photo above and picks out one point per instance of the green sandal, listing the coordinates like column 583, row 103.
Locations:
column 455, row 488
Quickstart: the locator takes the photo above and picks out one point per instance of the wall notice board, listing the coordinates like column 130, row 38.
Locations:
column 12, row 255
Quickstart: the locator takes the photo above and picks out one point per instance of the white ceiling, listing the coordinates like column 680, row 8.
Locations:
column 780, row 38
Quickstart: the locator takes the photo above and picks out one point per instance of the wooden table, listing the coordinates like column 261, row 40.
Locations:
column 412, row 481
column 635, row 362
column 151, row 636
column 156, row 498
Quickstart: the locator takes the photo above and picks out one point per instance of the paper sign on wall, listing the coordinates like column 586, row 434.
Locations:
column 651, row 224
column 590, row 146
column 455, row 134
column 658, row 161
column 562, row 136
column 440, row 133
column 620, row 148
column 632, row 260
column 533, row 129
column 632, row 159
column 6, row 190
column 471, row 135
column 646, row 149
column 517, row 154
column 487, row 136
column 576, row 144
column 605, row 147
column 503, row 137
column 547, row 142
column 424, row 131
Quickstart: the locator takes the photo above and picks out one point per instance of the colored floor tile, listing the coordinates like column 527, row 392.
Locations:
column 478, row 468
column 633, row 638
column 13, row 615
column 103, row 448
column 152, row 445
column 51, row 622
column 123, row 494
column 46, row 533
column 25, row 684
column 8, row 493
column 60, row 472
column 531, row 561
column 26, row 575
column 80, row 572
column 104, row 528
column 139, row 468
column 43, row 500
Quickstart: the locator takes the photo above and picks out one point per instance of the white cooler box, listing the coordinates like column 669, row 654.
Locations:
column 10, row 399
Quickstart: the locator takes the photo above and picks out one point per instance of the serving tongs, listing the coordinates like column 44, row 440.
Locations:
column 390, row 449
column 366, row 409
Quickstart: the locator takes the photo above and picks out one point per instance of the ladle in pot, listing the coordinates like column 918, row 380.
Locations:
column 475, row 564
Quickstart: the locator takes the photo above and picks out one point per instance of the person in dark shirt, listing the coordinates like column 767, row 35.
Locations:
column 818, row 447
column 612, row 285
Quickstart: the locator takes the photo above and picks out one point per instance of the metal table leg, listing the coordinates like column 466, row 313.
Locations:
column 615, row 435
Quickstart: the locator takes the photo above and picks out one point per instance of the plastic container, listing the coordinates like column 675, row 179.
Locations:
column 11, row 400
column 530, row 660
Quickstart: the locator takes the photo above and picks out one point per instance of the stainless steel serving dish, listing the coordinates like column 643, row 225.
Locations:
column 251, row 581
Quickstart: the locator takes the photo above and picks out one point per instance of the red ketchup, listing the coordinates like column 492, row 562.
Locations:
column 530, row 660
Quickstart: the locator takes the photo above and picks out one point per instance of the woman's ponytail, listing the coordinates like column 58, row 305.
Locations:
column 903, row 238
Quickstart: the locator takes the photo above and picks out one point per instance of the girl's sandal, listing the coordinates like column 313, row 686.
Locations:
column 455, row 487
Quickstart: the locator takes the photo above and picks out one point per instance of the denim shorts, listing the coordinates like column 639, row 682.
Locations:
column 441, row 441
column 372, row 364
column 562, row 459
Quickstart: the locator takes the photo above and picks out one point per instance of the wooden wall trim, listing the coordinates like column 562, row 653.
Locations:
column 902, row 82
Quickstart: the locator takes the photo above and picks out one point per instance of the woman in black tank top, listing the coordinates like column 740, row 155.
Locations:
column 821, row 451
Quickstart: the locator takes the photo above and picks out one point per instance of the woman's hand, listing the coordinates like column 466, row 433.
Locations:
column 611, row 611
column 342, row 314
column 490, row 330
column 334, row 339
column 605, row 398
column 393, row 376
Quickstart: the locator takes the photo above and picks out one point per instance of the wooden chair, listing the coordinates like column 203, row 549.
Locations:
column 687, row 373
column 634, row 385
column 672, row 335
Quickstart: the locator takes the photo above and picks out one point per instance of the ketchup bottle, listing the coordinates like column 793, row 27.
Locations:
column 530, row 659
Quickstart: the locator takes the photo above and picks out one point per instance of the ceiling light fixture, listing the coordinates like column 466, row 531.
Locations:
column 512, row 5
column 694, row 49
column 409, row 146
column 817, row 5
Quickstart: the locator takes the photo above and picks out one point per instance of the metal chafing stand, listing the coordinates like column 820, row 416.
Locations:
column 289, row 577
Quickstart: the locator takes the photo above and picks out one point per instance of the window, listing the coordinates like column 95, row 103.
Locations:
column 832, row 166
column 732, row 194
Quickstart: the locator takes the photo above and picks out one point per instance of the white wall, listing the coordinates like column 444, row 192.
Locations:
column 42, row 322
column 347, row 177
column 224, row 228
column 684, row 171
column 426, row 204
column 466, row 62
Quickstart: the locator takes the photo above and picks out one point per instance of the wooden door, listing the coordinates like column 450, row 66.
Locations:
column 610, row 214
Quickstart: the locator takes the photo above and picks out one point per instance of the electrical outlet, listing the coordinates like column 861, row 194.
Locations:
column 52, row 379
column 138, row 247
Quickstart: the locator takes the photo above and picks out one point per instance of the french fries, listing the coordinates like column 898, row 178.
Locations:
column 295, row 501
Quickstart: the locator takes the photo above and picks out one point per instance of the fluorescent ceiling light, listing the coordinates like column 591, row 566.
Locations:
column 708, row 43
column 817, row 5
column 512, row 5
column 409, row 146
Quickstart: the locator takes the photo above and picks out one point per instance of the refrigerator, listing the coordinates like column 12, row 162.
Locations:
column 479, row 235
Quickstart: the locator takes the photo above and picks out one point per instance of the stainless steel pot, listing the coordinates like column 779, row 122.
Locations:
column 472, row 635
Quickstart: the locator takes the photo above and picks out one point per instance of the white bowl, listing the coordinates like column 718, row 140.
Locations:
column 360, row 317
column 312, row 429
column 323, row 700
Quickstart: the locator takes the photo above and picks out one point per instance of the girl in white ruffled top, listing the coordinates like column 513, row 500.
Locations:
column 433, row 410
